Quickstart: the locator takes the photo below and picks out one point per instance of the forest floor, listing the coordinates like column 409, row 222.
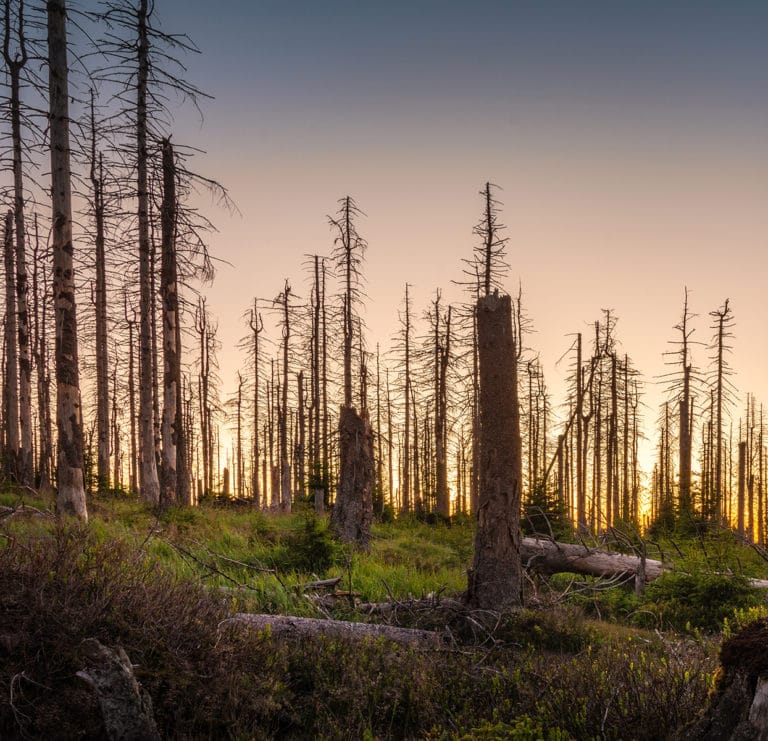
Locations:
column 585, row 659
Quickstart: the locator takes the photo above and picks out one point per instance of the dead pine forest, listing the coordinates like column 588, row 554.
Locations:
column 350, row 536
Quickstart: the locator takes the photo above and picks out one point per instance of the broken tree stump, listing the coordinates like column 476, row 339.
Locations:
column 125, row 706
column 495, row 581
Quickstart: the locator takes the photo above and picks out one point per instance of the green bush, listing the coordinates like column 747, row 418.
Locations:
column 699, row 600
column 309, row 550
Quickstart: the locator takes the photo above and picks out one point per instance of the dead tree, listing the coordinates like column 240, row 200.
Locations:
column 353, row 510
column 15, row 65
column 496, row 577
column 71, row 490
column 40, row 345
column 282, row 418
column 11, row 386
column 102, row 350
column 722, row 326
column 257, row 327
column 174, row 478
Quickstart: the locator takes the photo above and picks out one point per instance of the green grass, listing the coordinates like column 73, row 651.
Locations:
column 162, row 585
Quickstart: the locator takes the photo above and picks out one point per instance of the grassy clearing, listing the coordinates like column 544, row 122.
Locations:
column 161, row 586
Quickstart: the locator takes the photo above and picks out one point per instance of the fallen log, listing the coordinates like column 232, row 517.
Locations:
column 289, row 626
column 551, row 557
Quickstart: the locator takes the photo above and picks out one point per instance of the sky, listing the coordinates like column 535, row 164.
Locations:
column 628, row 140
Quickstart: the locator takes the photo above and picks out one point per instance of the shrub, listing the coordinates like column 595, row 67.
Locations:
column 311, row 549
column 699, row 600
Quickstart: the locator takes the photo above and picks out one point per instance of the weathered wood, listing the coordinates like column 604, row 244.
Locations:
column 495, row 581
column 125, row 707
column 323, row 583
column 353, row 511
column 71, row 490
column 550, row 557
column 299, row 627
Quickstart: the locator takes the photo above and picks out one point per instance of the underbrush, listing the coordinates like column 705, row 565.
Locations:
column 208, row 679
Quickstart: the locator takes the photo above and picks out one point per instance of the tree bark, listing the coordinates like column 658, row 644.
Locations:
column 24, row 465
column 149, row 481
column 172, row 428
column 125, row 706
column 288, row 626
column 495, row 581
column 71, row 490
column 353, row 511
column 102, row 351
column 11, row 387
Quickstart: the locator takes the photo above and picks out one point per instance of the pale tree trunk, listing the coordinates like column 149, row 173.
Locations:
column 132, row 400
column 71, row 490
column 11, row 392
column 45, row 432
column 257, row 326
column 285, row 465
column 149, row 482
column 172, row 428
column 24, row 466
column 299, row 455
column 495, row 581
column 405, row 449
column 102, row 350
column 442, row 359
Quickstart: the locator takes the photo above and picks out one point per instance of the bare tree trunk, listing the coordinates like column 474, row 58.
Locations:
column 172, row 429
column 132, row 400
column 406, row 447
column 24, row 465
column 495, row 581
column 102, row 351
column 71, row 490
column 257, row 326
column 442, row 360
column 299, row 455
column 285, row 465
column 581, row 494
column 43, row 376
column 353, row 511
column 11, row 388
column 150, row 483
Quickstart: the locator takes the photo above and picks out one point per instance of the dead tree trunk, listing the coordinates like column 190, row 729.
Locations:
column 15, row 64
column 495, row 580
column 102, row 351
column 11, row 388
column 288, row 626
column 40, row 342
column 353, row 511
column 172, row 428
column 71, row 490
column 150, row 484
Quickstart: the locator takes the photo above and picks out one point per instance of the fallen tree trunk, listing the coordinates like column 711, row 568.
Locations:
column 300, row 627
column 551, row 557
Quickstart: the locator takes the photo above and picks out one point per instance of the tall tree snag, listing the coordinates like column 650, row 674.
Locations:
column 11, row 379
column 174, row 483
column 149, row 482
column 15, row 64
column 495, row 581
column 71, row 490
column 353, row 510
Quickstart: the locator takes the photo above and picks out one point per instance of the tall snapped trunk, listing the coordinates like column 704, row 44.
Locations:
column 71, row 490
